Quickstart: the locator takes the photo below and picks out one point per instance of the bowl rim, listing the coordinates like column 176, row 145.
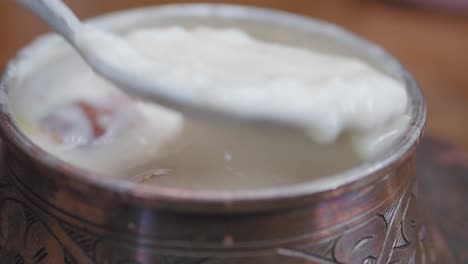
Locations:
column 231, row 200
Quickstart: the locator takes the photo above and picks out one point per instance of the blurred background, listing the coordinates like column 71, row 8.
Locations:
column 430, row 37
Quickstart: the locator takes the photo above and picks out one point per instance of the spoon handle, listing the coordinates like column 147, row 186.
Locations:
column 56, row 14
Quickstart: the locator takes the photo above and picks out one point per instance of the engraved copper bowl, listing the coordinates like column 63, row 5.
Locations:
column 52, row 212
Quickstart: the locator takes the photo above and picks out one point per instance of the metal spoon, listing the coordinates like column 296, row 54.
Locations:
column 61, row 19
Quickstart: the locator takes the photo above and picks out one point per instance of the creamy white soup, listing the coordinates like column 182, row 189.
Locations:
column 350, row 112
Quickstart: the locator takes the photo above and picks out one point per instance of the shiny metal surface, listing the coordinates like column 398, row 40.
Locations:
column 369, row 214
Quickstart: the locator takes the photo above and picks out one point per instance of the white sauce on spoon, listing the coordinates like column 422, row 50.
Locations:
column 326, row 94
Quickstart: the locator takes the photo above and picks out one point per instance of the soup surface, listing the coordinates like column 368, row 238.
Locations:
column 351, row 112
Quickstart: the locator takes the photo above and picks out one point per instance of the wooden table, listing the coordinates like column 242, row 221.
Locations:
column 443, row 171
column 432, row 45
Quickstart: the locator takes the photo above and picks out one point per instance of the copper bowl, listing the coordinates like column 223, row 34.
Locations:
column 52, row 212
